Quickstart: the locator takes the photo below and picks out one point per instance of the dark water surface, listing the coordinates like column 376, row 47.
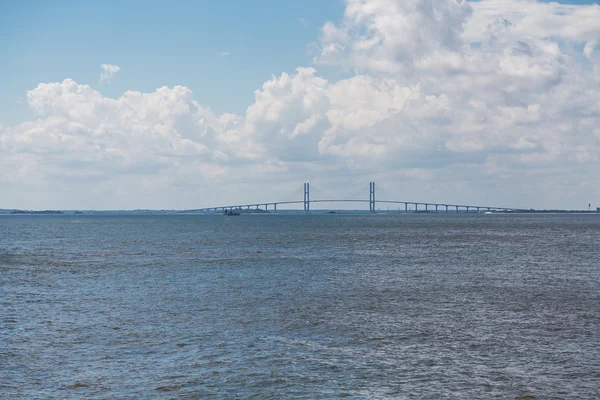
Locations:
column 285, row 307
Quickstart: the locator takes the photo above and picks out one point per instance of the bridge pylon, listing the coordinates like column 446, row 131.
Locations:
column 306, row 197
column 372, row 197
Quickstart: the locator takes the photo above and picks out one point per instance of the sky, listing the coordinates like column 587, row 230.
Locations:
column 189, row 104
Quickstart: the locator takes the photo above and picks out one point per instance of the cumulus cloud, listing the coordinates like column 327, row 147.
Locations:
column 589, row 49
column 108, row 72
column 535, row 19
column 138, row 131
column 506, row 94
column 488, row 102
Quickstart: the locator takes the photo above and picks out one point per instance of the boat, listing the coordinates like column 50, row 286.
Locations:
column 231, row 212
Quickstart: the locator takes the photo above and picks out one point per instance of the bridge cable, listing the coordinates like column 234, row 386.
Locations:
column 295, row 195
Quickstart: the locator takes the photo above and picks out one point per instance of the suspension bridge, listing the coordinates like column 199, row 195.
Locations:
column 419, row 206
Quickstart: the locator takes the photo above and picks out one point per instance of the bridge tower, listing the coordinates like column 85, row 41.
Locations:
column 372, row 197
column 306, row 197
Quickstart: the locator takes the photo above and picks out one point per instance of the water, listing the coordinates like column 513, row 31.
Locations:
column 286, row 307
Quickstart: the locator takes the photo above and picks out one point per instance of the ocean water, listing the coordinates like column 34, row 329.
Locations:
column 300, row 307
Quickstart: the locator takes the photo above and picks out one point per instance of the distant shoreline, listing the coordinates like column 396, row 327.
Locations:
column 269, row 212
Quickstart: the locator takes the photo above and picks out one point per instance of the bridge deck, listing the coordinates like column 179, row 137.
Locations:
column 406, row 203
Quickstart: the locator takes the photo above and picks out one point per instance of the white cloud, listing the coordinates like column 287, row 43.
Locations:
column 108, row 72
column 224, row 54
column 536, row 19
column 488, row 102
column 589, row 49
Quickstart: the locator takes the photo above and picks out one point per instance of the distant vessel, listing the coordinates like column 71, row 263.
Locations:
column 231, row 212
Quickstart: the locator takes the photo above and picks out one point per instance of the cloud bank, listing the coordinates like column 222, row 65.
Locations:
column 494, row 102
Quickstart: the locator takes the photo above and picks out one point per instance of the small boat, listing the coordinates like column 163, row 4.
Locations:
column 231, row 212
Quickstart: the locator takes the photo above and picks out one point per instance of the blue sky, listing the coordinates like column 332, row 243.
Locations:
column 331, row 92
column 158, row 43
